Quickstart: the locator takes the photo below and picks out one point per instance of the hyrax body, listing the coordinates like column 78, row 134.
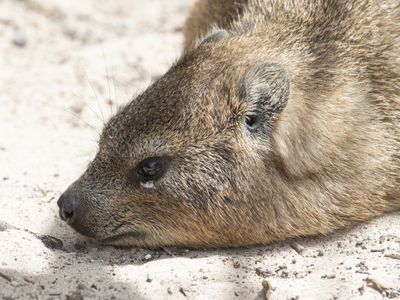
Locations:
column 281, row 119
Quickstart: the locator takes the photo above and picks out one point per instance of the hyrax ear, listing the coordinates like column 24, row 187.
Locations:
column 266, row 88
column 213, row 36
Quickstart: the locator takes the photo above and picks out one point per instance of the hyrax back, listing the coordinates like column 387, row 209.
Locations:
column 282, row 122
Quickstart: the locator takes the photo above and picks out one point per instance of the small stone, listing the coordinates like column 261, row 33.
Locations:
column 53, row 292
column 236, row 265
column 14, row 283
column 297, row 247
column 81, row 286
column 284, row 274
column 320, row 253
column 263, row 273
column 147, row 256
column 149, row 279
column 169, row 291
column 19, row 38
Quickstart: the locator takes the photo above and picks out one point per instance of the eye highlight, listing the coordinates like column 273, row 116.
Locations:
column 150, row 169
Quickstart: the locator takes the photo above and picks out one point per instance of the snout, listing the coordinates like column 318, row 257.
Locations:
column 67, row 204
column 69, row 207
column 72, row 211
column 82, row 208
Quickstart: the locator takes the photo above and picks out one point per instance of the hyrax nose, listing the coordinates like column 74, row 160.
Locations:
column 68, row 204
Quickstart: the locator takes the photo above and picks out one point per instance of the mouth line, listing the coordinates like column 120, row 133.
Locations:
column 126, row 235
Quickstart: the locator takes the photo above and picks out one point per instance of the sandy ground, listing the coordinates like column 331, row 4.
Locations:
column 56, row 58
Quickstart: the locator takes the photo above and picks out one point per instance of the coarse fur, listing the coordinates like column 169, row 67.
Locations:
column 323, row 79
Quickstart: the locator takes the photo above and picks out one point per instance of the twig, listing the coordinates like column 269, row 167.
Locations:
column 394, row 256
column 6, row 277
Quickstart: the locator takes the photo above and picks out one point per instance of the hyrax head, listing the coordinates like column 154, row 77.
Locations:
column 186, row 162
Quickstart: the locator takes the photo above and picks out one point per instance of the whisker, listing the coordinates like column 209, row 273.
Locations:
column 81, row 138
column 88, row 106
column 115, row 94
column 75, row 115
column 108, row 78
column 82, row 68
column 87, row 123
column 93, row 90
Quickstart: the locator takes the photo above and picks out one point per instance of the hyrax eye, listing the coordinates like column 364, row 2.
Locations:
column 251, row 122
column 150, row 169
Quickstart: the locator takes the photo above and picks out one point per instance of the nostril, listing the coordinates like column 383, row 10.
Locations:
column 66, row 204
column 62, row 215
column 68, row 212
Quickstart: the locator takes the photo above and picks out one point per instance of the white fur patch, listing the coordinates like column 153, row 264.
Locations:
column 147, row 184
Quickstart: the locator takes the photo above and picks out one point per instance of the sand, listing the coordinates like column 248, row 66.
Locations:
column 64, row 67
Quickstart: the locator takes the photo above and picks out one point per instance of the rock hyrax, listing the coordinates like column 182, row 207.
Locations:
column 281, row 119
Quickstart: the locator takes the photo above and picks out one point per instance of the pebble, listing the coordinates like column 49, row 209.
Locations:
column 53, row 292
column 19, row 38
column 297, row 247
column 14, row 283
column 147, row 257
column 81, row 286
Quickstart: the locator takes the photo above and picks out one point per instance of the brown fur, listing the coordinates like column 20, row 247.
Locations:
column 329, row 157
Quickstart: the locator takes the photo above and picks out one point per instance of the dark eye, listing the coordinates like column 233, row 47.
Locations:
column 251, row 122
column 150, row 169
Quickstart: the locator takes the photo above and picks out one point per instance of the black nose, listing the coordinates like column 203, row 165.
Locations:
column 68, row 203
